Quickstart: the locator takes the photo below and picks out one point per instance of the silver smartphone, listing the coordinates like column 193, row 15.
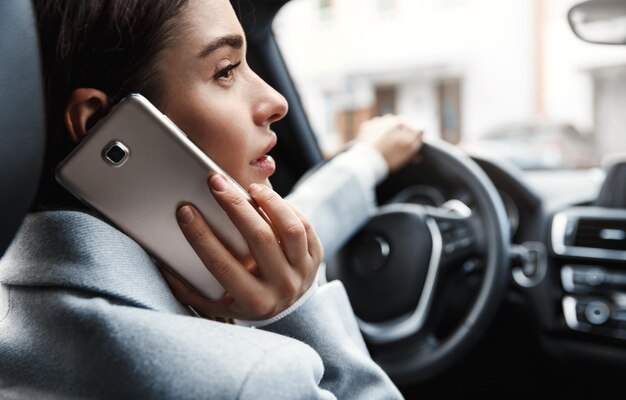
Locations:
column 136, row 168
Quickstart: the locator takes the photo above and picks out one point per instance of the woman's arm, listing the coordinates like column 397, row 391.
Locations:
column 324, row 320
column 326, row 323
column 339, row 363
column 338, row 198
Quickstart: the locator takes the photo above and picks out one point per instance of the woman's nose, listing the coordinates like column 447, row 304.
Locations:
column 270, row 107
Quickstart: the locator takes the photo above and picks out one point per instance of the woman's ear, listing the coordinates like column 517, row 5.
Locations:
column 84, row 104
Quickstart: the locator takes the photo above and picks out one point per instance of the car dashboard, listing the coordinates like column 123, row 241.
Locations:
column 567, row 290
column 569, row 265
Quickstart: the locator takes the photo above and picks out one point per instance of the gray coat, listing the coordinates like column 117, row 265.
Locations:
column 84, row 313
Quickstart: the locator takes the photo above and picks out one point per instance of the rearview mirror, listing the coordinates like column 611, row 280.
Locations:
column 599, row 21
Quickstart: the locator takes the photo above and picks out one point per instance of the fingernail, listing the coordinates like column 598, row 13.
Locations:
column 255, row 188
column 217, row 182
column 185, row 215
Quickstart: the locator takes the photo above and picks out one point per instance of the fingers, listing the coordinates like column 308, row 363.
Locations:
column 314, row 244
column 404, row 148
column 395, row 138
column 219, row 261
column 257, row 306
column 408, row 135
column 286, row 222
column 259, row 235
column 283, row 264
column 413, row 138
column 190, row 297
column 283, row 244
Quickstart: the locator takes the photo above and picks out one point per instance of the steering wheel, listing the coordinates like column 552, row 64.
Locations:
column 397, row 267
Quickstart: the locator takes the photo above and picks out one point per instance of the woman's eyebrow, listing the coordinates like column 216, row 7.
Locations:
column 234, row 41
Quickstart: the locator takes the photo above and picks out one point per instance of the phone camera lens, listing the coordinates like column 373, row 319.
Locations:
column 116, row 153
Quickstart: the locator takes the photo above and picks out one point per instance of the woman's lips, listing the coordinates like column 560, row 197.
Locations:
column 265, row 163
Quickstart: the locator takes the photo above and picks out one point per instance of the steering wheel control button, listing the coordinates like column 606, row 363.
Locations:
column 597, row 312
column 449, row 248
column 457, row 238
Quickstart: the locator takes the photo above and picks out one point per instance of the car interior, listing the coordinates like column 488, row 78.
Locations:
column 534, row 303
column 467, row 280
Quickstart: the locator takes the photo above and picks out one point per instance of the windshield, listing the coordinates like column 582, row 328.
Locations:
column 505, row 78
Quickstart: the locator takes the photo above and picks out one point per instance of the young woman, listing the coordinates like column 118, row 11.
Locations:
column 88, row 313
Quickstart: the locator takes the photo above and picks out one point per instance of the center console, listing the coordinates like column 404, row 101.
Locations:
column 590, row 248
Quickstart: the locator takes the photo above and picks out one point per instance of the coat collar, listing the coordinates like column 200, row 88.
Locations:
column 74, row 250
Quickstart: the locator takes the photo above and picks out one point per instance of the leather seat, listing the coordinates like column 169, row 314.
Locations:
column 22, row 132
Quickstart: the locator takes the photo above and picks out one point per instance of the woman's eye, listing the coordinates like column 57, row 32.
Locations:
column 226, row 73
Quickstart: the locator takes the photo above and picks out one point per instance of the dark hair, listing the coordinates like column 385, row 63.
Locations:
column 109, row 45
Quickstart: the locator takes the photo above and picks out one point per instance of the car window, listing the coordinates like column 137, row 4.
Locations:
column 498, row 77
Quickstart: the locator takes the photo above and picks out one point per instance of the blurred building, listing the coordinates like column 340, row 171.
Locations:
column 459, row 68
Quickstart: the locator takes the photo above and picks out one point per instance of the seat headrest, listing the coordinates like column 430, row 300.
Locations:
column 21, row 116
column 613, row 191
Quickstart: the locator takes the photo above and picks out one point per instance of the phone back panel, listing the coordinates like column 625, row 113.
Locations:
column 162, row 171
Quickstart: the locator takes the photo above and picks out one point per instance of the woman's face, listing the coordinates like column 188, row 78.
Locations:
column 211, row 93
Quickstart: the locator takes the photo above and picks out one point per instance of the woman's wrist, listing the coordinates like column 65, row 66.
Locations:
column 292, row 308
column 368, row 163
column 375, row 160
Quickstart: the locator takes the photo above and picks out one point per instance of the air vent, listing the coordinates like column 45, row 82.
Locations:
column 601, row 234
column 590, row 232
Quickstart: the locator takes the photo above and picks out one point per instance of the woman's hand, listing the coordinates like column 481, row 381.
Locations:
column 394, row 138
column 287, row 255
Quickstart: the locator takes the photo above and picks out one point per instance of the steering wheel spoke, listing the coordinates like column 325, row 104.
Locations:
column 411, row 323
column 454, row 221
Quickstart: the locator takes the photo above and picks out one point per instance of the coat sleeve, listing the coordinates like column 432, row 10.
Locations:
column 81, row 346
column 338, row 197
column 326, row 323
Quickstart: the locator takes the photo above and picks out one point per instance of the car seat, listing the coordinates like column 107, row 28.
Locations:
column 613, row 191
column 22, row 131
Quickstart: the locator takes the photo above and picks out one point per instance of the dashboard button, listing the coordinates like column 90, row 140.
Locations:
column 594, row 277
column 597, row 312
